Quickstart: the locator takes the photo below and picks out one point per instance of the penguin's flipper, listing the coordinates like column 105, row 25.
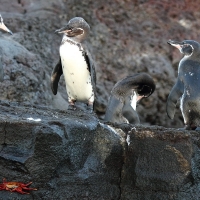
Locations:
column 113, row 110
column 55, row 77
column 173, row 97
column 129, row 113
column 91, row 68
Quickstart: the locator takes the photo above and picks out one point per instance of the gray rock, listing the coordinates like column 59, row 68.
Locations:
column 71, row 155
column 67, row 155
column 124, row 40
column 24, row 77
column 159, row 164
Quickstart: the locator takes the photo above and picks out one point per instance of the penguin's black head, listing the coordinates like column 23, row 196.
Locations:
column 3, row 27
column 145, row 90
column 141, row 83
column 145, row 84
column 186, row 47
column 77, row 28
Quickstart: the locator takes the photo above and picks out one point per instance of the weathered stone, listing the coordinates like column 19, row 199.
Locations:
column 124, row 40
column 158, row 164
column 66, row 154
column 71, row 155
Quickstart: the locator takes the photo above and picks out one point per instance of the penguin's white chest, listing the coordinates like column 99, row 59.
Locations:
column 134, row 100
column 76, row 73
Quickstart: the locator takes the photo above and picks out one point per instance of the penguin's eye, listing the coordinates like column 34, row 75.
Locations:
column 69, row 28
column 145, row 90
column 187, row 49
column 187, row 45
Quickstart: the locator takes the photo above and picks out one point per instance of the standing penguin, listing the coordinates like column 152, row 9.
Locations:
column 75, row 64
column 187, row 86
column 124, row 97
column 3, row 27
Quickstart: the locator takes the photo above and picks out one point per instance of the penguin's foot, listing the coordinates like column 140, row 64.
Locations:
column 71, row 107
column 71, row 104
column 90, row 107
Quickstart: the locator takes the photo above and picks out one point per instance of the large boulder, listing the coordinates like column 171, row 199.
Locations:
column 159, row 164
column 24, row 75
column 67, row 155
column 72, row 155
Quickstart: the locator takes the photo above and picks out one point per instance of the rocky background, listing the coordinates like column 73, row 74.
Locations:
column 126, row 37
column 72, row 155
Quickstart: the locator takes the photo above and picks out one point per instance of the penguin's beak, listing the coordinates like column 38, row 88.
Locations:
column 63, row 29
column 176, row 44
column 139, row 98
column 3, row 27
column 70, row 32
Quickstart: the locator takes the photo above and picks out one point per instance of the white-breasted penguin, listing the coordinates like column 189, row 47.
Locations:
column 125, row 95
column 75, row 64
column 3, row 26
column 187, row 86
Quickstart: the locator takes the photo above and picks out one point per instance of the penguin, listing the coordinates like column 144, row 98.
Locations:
column 187, row 86
column 3, row 27
column 75, row 64
column 124, row 97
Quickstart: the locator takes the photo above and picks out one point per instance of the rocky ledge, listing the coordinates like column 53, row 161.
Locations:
column 72, row 155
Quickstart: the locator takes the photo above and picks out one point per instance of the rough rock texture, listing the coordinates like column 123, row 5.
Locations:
column 23, row 77
column 126, row 37
column 158, row 165
column 66, row 155
column 71, row 155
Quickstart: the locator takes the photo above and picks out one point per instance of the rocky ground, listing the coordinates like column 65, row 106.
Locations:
column 126, row 37
column 71, row 155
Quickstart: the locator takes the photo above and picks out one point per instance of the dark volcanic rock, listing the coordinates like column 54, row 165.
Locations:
column 71, row 155
column 126, row 38
column 23, row 74
column 158, row 164
column 66, row 155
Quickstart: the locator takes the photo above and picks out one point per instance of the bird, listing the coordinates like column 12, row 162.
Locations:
column 76, row 64
column 3, row 27
column 124, row 97
column 187, row 86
